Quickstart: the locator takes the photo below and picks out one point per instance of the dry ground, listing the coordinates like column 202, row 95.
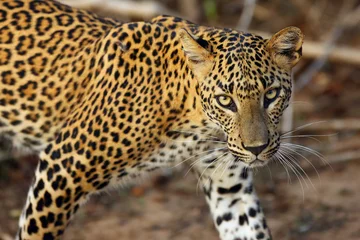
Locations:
column 170, row 208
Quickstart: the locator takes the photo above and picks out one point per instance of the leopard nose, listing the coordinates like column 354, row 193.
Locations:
column 256, row 150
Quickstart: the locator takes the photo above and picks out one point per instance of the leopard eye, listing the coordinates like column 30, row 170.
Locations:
column 270, row 96
column 226, row 102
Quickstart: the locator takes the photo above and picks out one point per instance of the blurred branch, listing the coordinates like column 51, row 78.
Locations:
column 338, row 54
column 345, row 20
column 320, row 61
column 334, row 125
column 343, row 157
column 313, row 50
column 142, row 10
column 347, row 144
column 247, row 15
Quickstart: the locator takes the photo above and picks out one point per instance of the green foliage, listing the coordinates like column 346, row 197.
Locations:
column 210, row 10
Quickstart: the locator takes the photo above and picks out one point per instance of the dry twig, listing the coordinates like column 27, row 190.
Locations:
column 343, row 157
column 142, row 10
column 247, row 15
column 345, row 20
column 335, row 125
column 313, row 50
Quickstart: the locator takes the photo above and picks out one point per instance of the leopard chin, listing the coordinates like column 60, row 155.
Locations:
column 252, row 164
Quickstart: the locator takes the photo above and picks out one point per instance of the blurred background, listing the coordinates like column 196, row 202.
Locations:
column 315, row 199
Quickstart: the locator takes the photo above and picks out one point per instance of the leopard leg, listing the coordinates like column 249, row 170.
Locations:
column 54, row 197
column 234, row 204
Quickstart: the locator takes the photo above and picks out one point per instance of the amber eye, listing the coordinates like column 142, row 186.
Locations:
column 226, row 102
column 270, row 96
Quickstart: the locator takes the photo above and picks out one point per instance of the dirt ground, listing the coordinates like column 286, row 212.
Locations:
column 171, row 208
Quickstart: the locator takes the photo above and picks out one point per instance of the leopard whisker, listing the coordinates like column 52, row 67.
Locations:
column 301, row 155
column 228, row 162
column 200, row 140
column 309, row 136
column 292, row 168
column 293, row 160
column 278, row 157
column 195, row 133
column 292, row 137
column 215, row 170
column 203, row 172
column 197, row 161
column 288, row 157
column 302, row 127
column 209, row 178
column 296, row 172
column 211, row 150
column 309, row 150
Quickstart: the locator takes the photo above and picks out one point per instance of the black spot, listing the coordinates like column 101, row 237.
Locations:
column 55, row 154
column 252, row 212
column 126, row 142
column 40, row 205
column 44, row 222
column 43, row 165
column 244, row 174
column 227, row 216
column 202, row 43
column 50, row 174
column 32, row 228
column 219, row 220
column 234, row 189
column 233, row 202
column 260, row 235
column 243, row 219
column 248, row 190
column 104, row 184
column 48, row 236
column 29, row 210
column 47, row 199
column 115, row 136
column 59, row 221
column 48, row 149
column 40, row 186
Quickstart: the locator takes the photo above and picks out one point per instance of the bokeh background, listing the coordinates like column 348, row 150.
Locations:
column 319, row 202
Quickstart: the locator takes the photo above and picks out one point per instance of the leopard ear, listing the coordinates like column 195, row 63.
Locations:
column 196, row 51
column 285, row 47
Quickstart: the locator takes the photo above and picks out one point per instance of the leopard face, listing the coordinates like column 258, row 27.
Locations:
column 245, row 86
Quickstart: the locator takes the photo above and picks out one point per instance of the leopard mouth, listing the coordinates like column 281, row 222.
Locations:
column 253, row 164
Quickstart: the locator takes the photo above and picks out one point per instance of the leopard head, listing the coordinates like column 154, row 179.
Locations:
column 244, row 83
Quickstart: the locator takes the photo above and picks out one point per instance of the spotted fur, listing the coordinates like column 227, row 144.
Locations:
column 103, row 101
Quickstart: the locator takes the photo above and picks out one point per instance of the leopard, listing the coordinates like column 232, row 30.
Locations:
column 103, row 102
